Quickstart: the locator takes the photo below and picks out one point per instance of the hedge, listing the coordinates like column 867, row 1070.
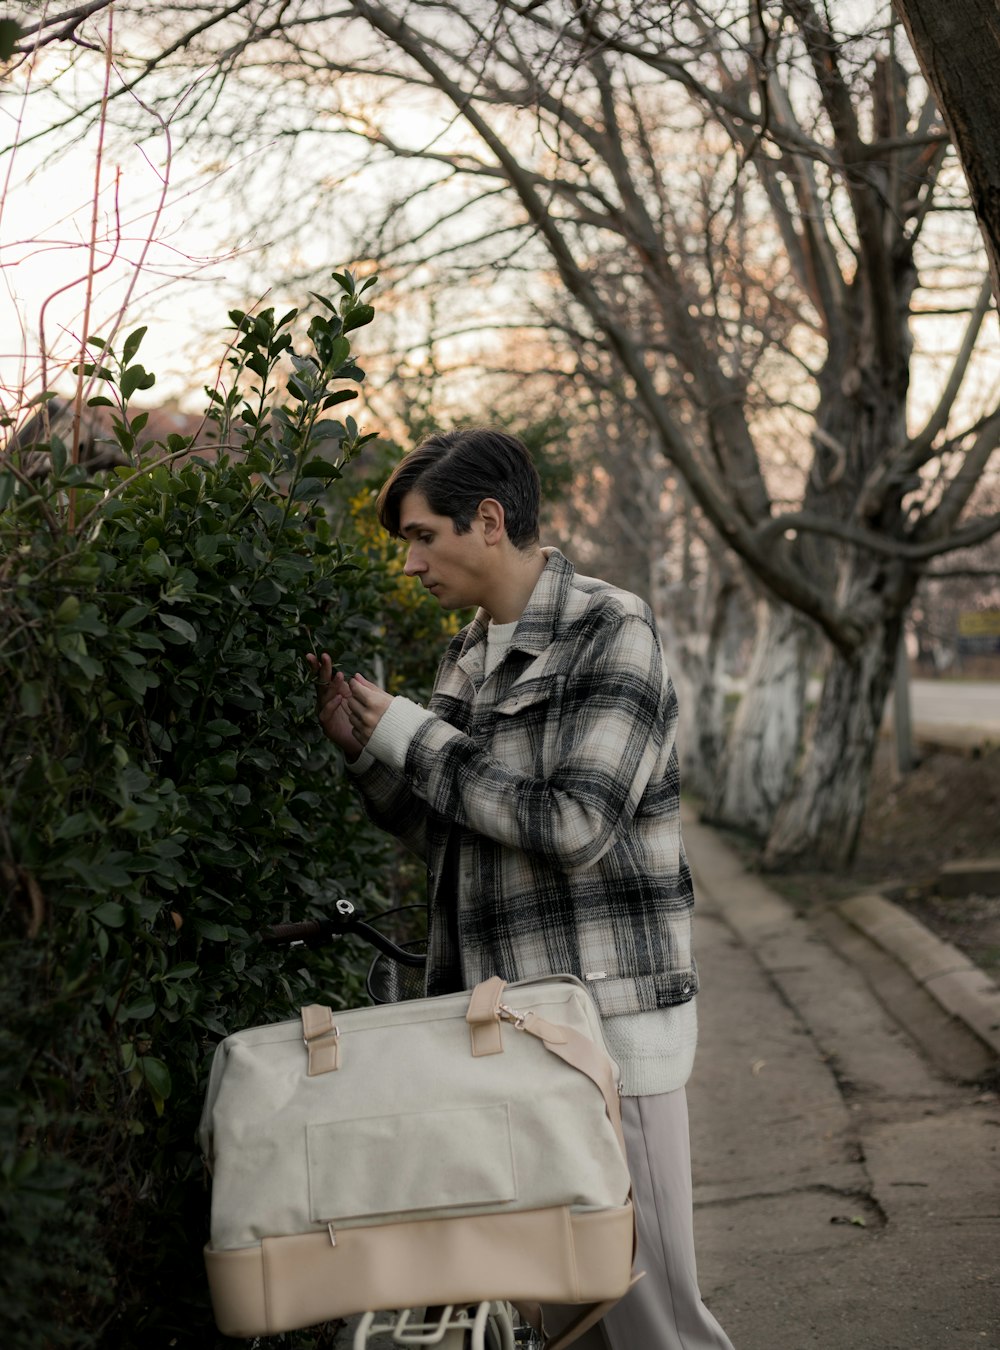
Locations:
column 164, row 792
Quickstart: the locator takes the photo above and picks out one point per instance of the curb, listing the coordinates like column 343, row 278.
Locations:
column 760, row 916
column 955, row 982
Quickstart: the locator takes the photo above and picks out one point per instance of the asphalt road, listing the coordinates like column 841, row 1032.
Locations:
column 953, row 702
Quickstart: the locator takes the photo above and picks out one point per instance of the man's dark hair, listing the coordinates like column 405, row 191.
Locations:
column 456, row 470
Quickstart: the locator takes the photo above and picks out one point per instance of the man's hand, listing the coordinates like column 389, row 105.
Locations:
column 332, row 694
column 365, row 706
column 348, row 710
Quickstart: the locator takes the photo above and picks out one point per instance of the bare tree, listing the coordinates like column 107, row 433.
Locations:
column 558, row 128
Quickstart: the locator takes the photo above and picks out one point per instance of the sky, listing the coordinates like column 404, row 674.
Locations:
column 174, row 213
column 157, row 248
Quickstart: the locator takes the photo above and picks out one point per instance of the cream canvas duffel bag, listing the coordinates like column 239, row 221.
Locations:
column 443, row 1150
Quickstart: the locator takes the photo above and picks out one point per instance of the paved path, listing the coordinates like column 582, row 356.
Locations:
column 847, row 1185
column 847, row 1192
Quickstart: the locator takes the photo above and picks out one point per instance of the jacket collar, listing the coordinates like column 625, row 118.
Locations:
column 537, row 625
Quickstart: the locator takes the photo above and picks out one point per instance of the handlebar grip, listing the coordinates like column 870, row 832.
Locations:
column 318, row 932
column 312, row 930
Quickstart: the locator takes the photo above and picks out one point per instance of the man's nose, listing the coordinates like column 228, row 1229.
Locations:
column 414, row 563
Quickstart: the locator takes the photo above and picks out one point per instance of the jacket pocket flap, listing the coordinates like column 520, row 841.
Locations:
column 528, row 693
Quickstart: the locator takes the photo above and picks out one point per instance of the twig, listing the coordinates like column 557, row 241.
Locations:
column 91, row 270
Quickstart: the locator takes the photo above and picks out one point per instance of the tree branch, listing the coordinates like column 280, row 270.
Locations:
column 772, row 565
column 883, row 545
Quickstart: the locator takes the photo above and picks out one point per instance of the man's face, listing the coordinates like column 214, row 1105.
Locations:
column 453, row 567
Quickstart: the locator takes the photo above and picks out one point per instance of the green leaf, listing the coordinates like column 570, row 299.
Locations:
column 133, row 615
column 139, row 819
column 182, row 971
column 144, row 1006
column 32, row 697
column 136, row 377
column 213, row 932
column 357, row 318
column 132, row 344
column 341, row 396
column 180, row 626
column 265, row 592
column 111, row 914
column 321, row 468
column 71, row 827
column 156, row 1074
column 340, row 350
column 307, row 488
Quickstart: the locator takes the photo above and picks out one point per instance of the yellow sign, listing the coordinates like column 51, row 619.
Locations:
column 979, row 623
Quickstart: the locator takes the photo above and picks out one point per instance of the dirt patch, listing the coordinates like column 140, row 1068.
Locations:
column 945, row 810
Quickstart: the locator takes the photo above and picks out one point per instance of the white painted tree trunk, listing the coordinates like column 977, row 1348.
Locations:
column 701, row 701
column 757, row 769
column 818, row 824
column 694, row 639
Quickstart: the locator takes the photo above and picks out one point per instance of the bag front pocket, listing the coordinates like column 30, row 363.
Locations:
column 421, row 1162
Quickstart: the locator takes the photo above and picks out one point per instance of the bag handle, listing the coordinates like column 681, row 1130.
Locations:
column 485, row 1014
column 483, row 1017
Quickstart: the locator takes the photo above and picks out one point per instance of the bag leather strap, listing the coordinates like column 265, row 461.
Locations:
column 322, row 1039
column 483, row 1017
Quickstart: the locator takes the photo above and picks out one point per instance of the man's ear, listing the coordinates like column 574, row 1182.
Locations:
column 491, row 513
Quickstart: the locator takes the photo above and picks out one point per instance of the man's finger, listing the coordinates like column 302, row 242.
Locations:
column 365, row 693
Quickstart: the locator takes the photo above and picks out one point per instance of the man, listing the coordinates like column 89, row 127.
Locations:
column 541, row 786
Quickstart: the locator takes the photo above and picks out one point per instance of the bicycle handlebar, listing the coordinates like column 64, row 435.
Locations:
column 318, row 932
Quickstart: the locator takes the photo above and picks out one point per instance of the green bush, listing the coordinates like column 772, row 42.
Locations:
column 164, row 792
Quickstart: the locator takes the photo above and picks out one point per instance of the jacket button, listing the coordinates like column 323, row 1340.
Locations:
column 686, row 987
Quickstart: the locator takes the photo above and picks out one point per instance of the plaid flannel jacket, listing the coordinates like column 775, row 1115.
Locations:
column 556, row 781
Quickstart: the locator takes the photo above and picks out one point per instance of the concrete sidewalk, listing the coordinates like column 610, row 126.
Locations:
column 847, row 1190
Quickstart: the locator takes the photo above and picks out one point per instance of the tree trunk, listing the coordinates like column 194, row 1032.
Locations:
column 957, row 43
column 695, row 628
column 758, row 767
column 820, row 821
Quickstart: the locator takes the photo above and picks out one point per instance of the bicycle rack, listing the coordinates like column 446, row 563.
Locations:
column 448, row 1331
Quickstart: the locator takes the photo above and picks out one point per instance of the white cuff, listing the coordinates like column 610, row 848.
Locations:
column 395, row 730
column 364, row 761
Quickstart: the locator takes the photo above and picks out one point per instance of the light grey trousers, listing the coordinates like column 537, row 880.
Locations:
column 664, row 1310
